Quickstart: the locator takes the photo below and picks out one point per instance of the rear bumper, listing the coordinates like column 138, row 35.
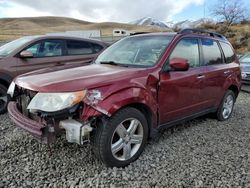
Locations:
column 31, row 126
column 245, row 81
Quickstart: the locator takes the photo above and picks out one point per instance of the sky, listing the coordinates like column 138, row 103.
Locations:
column 110, row 10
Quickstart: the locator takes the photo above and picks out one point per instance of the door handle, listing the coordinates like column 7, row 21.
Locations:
column 200, row 76
column 59, row 63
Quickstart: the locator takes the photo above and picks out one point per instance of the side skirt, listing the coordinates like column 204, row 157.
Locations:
column 181, row 120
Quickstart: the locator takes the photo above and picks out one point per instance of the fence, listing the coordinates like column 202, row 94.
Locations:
column 109, row 39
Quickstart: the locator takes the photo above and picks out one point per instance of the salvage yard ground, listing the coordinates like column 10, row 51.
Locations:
column 245, row 88
column 201, row 153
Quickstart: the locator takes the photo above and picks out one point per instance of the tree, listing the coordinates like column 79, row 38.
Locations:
column 229, row 11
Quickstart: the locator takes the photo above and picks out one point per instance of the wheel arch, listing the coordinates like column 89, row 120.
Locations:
column 235, row 89
column 5, row 80
column 147, row 112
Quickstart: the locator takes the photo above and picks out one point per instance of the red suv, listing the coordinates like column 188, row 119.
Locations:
column 137, row 86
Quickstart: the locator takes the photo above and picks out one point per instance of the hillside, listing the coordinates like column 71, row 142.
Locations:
column 12, row 28
column 238, row 35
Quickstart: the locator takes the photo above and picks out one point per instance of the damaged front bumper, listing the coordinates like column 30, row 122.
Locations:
column 33, row 127
column 45, row 132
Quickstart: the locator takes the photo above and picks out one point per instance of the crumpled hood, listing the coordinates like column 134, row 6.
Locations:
column 75, row 79
column 245, row 67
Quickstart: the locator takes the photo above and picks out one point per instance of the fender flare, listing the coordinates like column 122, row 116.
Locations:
column 230, row 81
column 6, row 79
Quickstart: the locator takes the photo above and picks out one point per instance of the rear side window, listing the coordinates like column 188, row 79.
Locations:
column 228, row 52
column 78, row 47
column 187, row 49
column 211, row 52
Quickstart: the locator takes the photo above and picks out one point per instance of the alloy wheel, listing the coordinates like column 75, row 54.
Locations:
column 127, row 139
column 228, row 106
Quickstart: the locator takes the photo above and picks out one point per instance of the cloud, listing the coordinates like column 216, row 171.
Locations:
column 101, row 10
column 9, row 9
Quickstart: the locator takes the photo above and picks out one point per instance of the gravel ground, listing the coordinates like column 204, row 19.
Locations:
column 201, row 153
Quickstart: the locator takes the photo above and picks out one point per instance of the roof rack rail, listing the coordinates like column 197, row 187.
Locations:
column 212, row 34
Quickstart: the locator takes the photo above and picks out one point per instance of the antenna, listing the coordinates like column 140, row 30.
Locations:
column 204, row 9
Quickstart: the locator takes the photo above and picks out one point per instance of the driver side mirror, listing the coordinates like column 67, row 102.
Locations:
column 26, row 54
column 179, row 64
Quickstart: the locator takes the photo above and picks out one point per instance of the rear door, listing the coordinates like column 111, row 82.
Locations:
column 81, row 52
column 216, row 74
column 179, row 91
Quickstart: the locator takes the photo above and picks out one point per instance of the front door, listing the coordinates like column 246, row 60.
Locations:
column 179, row 91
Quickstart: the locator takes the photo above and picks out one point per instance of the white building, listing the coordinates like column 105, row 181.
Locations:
column 120, row 32
column 81, row 34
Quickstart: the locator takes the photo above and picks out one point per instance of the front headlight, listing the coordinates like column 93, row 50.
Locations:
column 51, row 102
column 243, row 75
column 11, row 89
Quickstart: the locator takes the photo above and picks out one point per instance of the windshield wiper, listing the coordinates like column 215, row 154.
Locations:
column 113, row 63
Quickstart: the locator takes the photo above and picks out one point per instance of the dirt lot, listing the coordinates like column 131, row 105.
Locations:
column 200, row 153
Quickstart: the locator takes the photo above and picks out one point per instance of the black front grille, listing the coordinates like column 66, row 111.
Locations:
column 23, row 99
column 248, row 76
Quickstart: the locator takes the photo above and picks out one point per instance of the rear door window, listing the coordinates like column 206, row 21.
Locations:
column 228, row 52
column 211, row 52
column 75, row 47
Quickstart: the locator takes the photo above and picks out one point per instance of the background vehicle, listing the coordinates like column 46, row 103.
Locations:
column 245, row 68
column 35, row 52
column 137, row 86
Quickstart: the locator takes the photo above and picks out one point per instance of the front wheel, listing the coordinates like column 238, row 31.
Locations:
column 225, row 109
column 122, row 139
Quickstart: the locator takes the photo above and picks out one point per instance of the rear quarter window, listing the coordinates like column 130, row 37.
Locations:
column 228, row 52
column 97, row 48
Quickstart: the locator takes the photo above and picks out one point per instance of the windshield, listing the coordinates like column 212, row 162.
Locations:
column 8, row 48
column 135, row 51
column 245, row 59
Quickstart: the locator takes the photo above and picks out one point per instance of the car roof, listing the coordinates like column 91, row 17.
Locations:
column 41, row 37
column 155, row 34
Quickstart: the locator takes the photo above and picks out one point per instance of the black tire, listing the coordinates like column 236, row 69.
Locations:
column 3, row 103
column 221, row 109
column 105, row 134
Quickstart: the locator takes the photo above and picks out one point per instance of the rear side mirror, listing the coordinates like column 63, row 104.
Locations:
column 26, row 54
column 179, row 64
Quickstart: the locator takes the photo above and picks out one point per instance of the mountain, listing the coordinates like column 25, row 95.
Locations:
column 192, row 24
column 148, row 21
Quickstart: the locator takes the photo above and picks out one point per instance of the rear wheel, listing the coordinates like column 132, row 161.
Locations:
column 122, row 139
column 226, row 107
column 3, row 99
